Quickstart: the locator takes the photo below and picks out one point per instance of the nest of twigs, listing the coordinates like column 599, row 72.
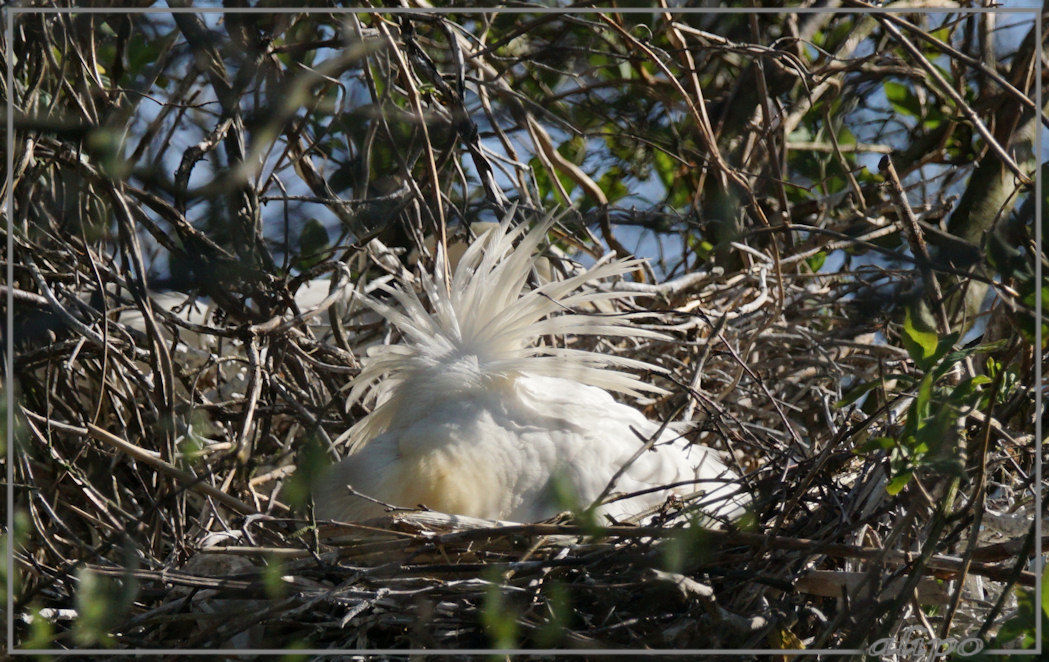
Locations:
column 204, row 550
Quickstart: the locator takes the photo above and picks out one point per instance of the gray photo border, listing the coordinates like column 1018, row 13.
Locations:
column 13, row 10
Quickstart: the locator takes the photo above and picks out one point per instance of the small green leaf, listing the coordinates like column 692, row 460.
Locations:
column 952, row 358
column 876, row 444
column 1045, row 592
column 923, row 401
column 942, row 34
column 816, row 261
column 919, row 343
column 966, row 389
column 666, row 167
column 701, row 247
column 935, row 430
column 897, row 484
column 944, row 345
column 902, row 98
column 190, row 449
column 543, row 185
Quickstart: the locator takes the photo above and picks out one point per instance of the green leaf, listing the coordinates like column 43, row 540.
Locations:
column 876, row 444
column 941, row 34
column 816, row 261
column 701, row 247
column 543, row 185
column 941, row 359
column 934, row 118
column 1045, row 592
column 897, row 484
column 666, row 167
column 935, row 429
column 951, row 359
column 923, row 400
column 966, row 389
column 902, row 98
column 687, row 547
column 919, row 343
column 190, row 449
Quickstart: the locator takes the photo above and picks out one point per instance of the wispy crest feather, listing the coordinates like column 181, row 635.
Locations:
column 489, row 314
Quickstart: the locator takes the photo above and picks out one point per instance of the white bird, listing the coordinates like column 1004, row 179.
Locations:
column 474, row 416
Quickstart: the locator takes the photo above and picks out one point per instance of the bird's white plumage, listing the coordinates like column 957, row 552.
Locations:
column 473, row 415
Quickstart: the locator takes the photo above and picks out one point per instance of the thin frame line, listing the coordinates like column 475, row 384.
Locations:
column 1038, row 308
column 649, row 652
column 9, row 378
column 9, row 381
column 521, row 10
column 436, row 651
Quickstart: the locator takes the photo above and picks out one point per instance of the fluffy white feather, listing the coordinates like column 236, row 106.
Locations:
column 475, row 416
